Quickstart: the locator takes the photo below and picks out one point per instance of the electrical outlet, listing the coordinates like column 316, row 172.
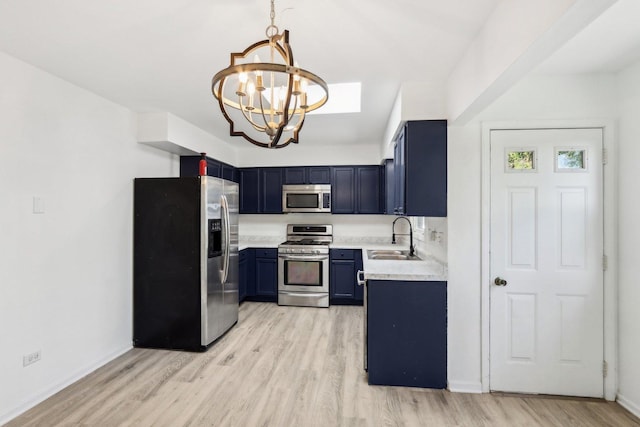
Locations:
column 439, row 238
column 30, row 358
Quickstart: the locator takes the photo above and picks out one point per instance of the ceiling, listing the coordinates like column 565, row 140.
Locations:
column 609, row 44
column 160, row 55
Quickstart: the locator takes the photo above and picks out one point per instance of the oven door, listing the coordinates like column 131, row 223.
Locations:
column 303, row 273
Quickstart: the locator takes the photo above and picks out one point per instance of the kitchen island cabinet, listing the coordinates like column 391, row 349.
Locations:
column 407, row 333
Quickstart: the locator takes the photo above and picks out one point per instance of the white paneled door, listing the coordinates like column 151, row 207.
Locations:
column 547, row 321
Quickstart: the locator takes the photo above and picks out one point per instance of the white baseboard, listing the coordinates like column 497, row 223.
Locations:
column 630, row 406
column 53, row 389
column 465, row 387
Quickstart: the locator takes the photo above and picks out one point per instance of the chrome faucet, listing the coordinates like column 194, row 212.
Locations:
column 393, row 234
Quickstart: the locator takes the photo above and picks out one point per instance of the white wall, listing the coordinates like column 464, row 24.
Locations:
column 629, row 236
column 65, row 275
column 536, row 98
column 310, row 155
column 463, row 288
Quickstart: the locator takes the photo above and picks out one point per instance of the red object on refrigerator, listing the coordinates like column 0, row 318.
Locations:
column 202, row 166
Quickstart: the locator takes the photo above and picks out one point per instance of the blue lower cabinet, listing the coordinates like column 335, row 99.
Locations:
column 407, row 333
column 343, row 286
column 264, row 286
column 246, row 285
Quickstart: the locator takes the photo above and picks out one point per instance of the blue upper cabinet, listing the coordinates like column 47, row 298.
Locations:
column 189, row 166
column 368, row 190
column 356, row 190
column 229, row 173
column 319, row 175
column 295, row 175
column 420, row 169
column 307, row 175
column 260, row 190
column 343, row 190
column 271, row 190
column 249, row 190
column 389, row 190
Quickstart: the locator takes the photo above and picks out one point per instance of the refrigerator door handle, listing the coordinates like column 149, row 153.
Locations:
column 224, row 273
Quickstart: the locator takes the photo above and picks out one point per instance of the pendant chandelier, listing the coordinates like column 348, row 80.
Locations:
column 271, row 98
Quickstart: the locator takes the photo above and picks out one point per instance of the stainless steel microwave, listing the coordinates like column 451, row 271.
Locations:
column 306, row 198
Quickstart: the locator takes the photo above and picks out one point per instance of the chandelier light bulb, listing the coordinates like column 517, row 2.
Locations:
column 256, row 60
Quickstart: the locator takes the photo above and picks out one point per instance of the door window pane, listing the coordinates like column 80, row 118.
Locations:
column 570, row 160
column 523, row 160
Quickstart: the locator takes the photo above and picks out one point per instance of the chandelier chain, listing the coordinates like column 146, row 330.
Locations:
column 272, row 30
column 273, row 12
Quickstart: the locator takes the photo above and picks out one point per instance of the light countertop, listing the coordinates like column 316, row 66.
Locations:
column 427, row 269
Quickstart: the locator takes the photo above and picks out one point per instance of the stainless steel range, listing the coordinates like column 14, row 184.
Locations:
column 303, row 266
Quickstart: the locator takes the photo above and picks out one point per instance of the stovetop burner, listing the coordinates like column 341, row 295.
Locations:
column 309, row 236
column 305, row 242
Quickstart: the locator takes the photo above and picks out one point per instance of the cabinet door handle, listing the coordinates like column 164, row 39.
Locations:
column 360, row 278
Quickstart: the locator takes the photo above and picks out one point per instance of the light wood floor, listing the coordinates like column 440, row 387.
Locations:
column 288, row 366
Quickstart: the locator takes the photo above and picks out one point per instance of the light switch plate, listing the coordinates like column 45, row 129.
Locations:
column 38, row 205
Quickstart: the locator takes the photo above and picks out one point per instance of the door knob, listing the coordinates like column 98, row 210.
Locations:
column 500, row 282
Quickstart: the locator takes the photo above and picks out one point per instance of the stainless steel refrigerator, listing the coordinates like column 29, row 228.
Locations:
column 185, row 261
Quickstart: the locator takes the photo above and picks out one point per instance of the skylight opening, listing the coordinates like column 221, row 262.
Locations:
column 343, row 98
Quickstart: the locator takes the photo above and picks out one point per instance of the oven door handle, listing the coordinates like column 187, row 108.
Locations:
column 304, row 257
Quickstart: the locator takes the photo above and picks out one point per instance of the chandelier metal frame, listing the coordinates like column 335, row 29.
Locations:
column 281, row 113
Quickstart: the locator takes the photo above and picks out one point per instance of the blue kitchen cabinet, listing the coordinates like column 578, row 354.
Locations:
column 420, row 169
column 295, row 175
column 307, row 175
column 270, row 190
column 190, row 166
column 318, row 175
column 343, row 190
column 260, row 190
column 343, row 285
column 249, row 190
column 266, row 274
column 407, row 333
column 356, row 190
column 229, row 172
column 246, row 274
column 399, row 175
column 389, row 190
column 368, row 190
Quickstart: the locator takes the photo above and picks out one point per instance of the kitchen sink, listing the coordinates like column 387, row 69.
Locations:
column 372, row 252
column 394, row 255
